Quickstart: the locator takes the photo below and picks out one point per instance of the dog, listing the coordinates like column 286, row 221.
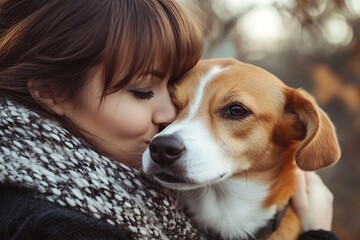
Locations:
column 232, row 151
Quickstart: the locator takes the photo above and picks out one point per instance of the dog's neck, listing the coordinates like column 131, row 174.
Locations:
column 233, row 208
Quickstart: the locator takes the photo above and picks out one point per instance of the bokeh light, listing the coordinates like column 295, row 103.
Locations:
column 262, row 29
column 337, row 31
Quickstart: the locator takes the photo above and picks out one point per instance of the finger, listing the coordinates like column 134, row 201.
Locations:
column 300, row 194
column 314, row 182
column 316, row 185
column 313, row 177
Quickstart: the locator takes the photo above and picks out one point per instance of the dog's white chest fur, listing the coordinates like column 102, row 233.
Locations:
column 232, row 208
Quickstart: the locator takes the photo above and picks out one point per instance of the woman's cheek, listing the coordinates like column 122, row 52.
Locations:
column 130, row 121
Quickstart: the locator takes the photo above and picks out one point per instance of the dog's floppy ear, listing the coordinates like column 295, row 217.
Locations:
column 306, row 123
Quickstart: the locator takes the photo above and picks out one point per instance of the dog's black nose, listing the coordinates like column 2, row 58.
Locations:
column 164, row 150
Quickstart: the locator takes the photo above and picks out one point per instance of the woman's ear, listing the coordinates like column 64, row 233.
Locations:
column 47, row 100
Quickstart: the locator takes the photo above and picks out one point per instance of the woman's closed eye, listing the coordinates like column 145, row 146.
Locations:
column 142, row 95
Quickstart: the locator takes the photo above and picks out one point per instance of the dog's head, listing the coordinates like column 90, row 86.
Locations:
column 234, row 118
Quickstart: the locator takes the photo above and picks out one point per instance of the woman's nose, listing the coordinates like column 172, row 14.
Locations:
column 165, row 111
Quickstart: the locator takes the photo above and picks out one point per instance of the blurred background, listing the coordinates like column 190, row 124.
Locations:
column 312, row 44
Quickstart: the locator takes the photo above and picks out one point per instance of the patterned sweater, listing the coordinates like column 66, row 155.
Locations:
column 62, row 170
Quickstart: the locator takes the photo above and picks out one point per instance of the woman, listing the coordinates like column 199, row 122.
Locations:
column 102, row 69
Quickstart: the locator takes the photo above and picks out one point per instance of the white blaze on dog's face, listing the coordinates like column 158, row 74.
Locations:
column 227, row 124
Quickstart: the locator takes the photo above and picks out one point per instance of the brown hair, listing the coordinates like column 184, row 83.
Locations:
column 56, row 44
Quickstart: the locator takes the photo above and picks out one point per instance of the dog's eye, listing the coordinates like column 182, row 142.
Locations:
column 236, row 111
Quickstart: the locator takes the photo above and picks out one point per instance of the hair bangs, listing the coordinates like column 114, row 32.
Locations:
column 164, row 39
column 187, row 32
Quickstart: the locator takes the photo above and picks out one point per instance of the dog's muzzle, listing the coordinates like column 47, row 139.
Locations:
column 165, row 150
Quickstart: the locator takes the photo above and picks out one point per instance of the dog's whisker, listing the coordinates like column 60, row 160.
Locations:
column 177, row 199
column 222, row 188
column 206, row 189
column 199, row 193
column 195, row 194
column 246, row 179
column 138, row 164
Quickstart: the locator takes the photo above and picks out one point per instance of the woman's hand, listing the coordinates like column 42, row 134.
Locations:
column 313, row 201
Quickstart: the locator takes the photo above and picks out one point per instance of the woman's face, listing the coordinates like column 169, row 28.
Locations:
column 126, row 120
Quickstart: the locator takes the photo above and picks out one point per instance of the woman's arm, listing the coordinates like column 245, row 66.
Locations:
column 22, row 216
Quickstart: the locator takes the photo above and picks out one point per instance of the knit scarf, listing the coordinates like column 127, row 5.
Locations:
column 39, row 154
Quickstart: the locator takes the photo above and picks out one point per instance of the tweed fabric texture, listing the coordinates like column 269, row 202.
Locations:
column 38, row 153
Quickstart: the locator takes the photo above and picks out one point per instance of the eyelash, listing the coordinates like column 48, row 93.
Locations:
column 143, row 95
